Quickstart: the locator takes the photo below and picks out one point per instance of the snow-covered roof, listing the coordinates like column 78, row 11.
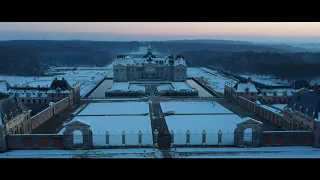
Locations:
column 279, row 106
column 179, row 61
column 279, row 112
column 76, row 121
column 241, row 87
column 251, row 119
column 4, row 86
column 33, row 93
column 128, row 60
column 280, row 91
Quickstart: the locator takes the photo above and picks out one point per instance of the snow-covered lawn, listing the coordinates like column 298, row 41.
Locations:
column 126, row 86
column 179, row 124
column 115, row 125
column 215, row 79
column 88, row 77
column 116, row 108
column 181, row 86
column 267, row 80
column 194, row 107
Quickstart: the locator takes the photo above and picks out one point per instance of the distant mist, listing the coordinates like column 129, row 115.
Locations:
column 43, row 35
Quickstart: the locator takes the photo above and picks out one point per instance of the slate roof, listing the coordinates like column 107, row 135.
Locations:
column 10, row 104
column 62, row 84
column 298, row 84
column 308, row 100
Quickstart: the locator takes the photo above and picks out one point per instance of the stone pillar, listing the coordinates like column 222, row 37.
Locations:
column 67, row 140
column 204, row 137
column 140, row 138
column 123, row 138
column 88, row 139
column 107, row 139
column 219, row 137
column 188, row 137
column 172, row 137
column 316, row 134
column 3, row 144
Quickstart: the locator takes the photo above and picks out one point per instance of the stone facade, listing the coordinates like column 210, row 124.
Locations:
column 149, row 67
column 241, row 89
column 256, row 127
column 86, row 134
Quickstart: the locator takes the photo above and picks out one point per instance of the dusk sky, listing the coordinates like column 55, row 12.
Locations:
column 121, row 31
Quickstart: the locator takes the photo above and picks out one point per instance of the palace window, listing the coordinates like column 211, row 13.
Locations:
column 39, row 101
column 22, row 100
column 28, row 100
column 34, row 101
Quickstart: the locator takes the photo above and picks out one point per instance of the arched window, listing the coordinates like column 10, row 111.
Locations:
column 34, row 101
column 39, row 101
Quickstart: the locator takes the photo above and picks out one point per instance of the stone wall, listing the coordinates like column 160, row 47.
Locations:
column 60, row 105
column 34, row 141
column 40, row 118
column 287, row 138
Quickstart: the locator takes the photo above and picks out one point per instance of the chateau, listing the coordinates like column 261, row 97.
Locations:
column 149, row 67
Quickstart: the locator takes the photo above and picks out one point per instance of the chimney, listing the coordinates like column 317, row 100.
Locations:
column 56, row 78
column 63, row 79
column 249, row 80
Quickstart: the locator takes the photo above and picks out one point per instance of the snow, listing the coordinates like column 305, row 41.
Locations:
column 79, row 109
column 271, row 109
column 243, row 86
column 3, row 86
column 126, row 86
column 135, row 87
column 265, row 79
column 215, row 79
column 116, row 108
column 263, row 152
column 166, row 87
column 194, row 108
column 280, row 91
column 201, row 91
column 279, row 106
column 88, row 77
column 115, row 125
column 179, row 124
column 178, row 86
column 93, row 153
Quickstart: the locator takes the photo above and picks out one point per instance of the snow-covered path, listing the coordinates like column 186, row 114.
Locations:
column 263, row 152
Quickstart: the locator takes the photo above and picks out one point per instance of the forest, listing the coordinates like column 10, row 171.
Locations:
column 28, row 57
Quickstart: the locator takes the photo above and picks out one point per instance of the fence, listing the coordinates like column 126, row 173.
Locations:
column 203, row 138
column 287, row 138
column 114, row 140
column 39, row 141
